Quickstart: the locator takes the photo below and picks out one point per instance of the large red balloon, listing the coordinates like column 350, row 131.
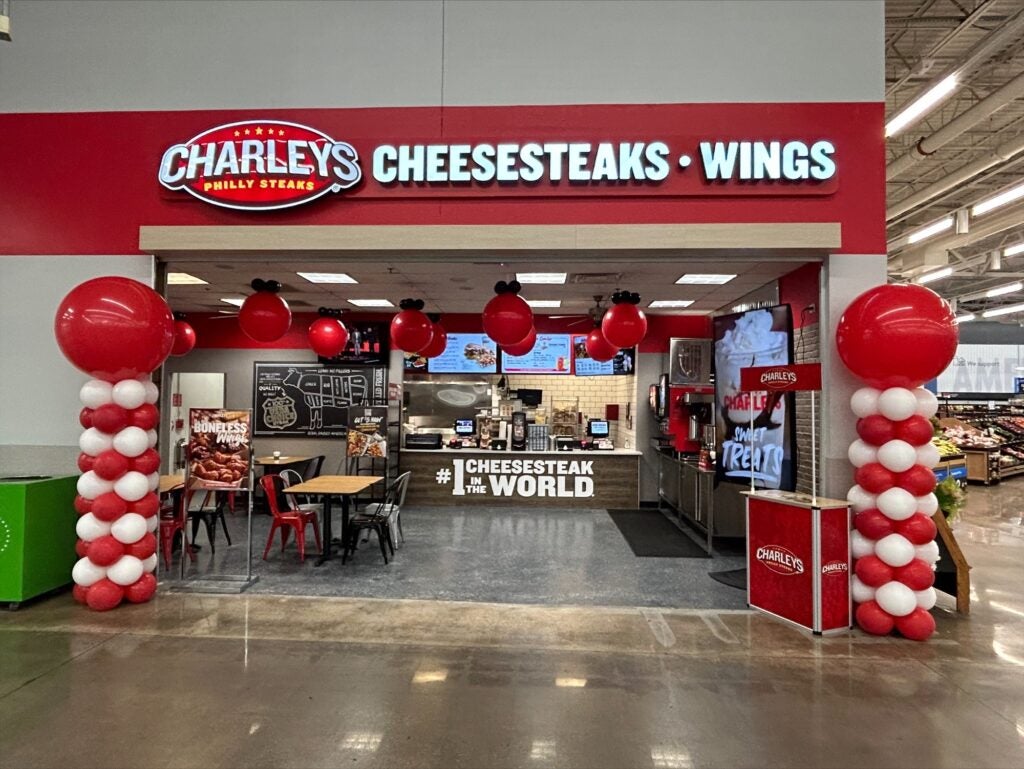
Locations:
column 147, row 462
column 918, row 480
column 599, row 348
column 917, row 626
column 328, row 337
column 873, row 524
column 897, row 335
column 147, row 507
column 110, row 465
column 105, row 550
column 265, row 316
column 104, row 595
column 507, row 319
column 624, row 325
column 918, row 528
column 873, row 619
column 411, row 331
column 114, row 328
column 438, row 342
column 110, row 418
column 522, row 347
column 142, row 589
column 873, row 571
column 876, row 429
column 874, row 478
column 917, row 575
column 109, row 507
column 916, row 430
column 142, row 549
column 144, row 417
column 184, row 338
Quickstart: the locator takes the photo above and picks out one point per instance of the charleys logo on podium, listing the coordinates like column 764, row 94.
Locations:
column 260, row 165
column 779, row 559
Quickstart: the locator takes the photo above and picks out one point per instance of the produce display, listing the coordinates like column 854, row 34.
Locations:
column 1002, row 437
column 946, row 447
column 969, row 437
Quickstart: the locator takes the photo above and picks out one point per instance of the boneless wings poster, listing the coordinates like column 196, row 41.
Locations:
column 218, row 447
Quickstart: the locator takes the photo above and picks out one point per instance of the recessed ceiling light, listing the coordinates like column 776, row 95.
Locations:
column 371, row 302
column 184, row 279
column 235, row 302
column 705, row 278
column 541, row 277
column 544, row 302
column 327, row 277
column 665, row 303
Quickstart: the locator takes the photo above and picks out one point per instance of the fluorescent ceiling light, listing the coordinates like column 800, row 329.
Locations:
column 327, row 277
column 964, row 318
column 429, row 676
column 541, row 277
column 704, row 279
column 370, row 302
column 235, row 302
column 919, row 107
column 928, row 277
column 544, row 302
column 1014, row 250
column 570, row 683
column 666, row 303
column 1008, row 310
column 998, row 201
column 184, row 279
column 930, row 230
column 1009, row 288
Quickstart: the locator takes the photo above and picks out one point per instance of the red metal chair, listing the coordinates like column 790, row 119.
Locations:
column 286, row 520
column 172, row 520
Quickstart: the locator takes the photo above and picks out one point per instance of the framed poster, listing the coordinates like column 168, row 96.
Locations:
column 552, row 354
column 368, row 432
column 219, row 448
column 311, row 400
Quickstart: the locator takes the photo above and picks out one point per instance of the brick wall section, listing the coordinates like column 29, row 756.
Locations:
column 806, row 351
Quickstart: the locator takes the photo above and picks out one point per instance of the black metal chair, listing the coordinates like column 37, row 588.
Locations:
column 313, row 468
column 377, row 519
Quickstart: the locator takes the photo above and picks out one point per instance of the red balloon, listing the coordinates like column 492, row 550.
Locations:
column 874, row 478
column 876, row 429
column 142, row 589
column 916, row 430
column 328, row 337
column 873, row 524
column 145, row 417
column 411, row 331
column 917, row 626
column 105, row 550
column 142, row 549
column 85, row 462
column 873, row 571
column 79, row 592
column 599, row 348
column 873, row 619
column 507, row 319
column 874, row 335
column 918, row 480
column 109, row 507
column 918, row 528
column 147, row 462
column 917, row 575
column 147, row 507
column 110, row 418
column 104, row 595
column 82, row 548
column 624, row 325
column 85, row 418
column 523, row 346
column 114, row 328
column 110, row 465
column 265, row 316
column 82, row 505
column 438, row 342
column 184, row 338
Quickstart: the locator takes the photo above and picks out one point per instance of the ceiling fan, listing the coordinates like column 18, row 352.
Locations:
column 592, row 316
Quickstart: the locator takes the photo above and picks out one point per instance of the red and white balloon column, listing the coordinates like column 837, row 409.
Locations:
column 896, row 338
column 118, row 331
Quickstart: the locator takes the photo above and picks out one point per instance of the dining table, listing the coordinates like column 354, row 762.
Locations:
column 282, row 461
column 328, row 487
column 169, row 483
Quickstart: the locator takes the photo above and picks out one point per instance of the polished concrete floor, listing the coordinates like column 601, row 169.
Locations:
column 272, row 681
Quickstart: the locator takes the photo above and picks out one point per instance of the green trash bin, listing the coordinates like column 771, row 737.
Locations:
column 37, row 535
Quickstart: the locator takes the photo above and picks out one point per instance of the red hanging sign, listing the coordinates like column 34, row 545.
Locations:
column 797, row 376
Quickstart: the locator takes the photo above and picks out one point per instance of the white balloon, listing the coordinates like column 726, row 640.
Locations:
column 132, row 486
column 129, row 393
column 896, row 455
column 861, row 593
column 151, row 523
column 928, row 552
column 926, row 598
column 151, row 438
column 928, row 455
column 90, row 485
column 860, row 546
column 897, row 504
column 927, row 403
column 129, row 528
column 896, row 598
column 95, row 393
column 897, row 403
column 154, row 481
column 131, row 441
column 861, row 453
column 89, row 527
column 895, row 549
column 928, row 504
column 125, row 571
column 149, row 565
column 93, row 442
column 864, row 402
column 152, row 393
column 859, row 499
column 86, row 573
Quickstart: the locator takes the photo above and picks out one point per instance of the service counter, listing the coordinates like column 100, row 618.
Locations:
column 584, row 479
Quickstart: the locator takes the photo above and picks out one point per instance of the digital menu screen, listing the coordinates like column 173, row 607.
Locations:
column 552, row 354
column 584, row 365
column 466, row 354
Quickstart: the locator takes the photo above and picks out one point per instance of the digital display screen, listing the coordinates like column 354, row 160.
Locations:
column 465, row 426
column 584, row 365
column 466, row 354
column 597, row 428
column 552, row 354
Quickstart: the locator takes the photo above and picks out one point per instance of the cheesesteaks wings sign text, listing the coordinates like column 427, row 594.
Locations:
column 260, row 165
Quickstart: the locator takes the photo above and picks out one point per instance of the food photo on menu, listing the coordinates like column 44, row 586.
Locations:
column 466, row 354
column 219, row 447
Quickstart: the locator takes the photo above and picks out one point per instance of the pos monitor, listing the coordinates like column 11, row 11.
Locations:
column 597, row 428
column 465, row 427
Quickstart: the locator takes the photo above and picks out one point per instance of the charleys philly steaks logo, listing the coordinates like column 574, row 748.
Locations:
column 260, row 165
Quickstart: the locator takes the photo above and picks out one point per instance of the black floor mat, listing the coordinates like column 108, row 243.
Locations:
column 650, row 534
column 736, row 578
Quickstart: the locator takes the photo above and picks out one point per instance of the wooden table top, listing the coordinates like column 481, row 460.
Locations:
column 334, row 484
column 169, row 482
column 279, row 461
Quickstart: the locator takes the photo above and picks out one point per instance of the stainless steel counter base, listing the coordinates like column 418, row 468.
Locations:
column 690, row 492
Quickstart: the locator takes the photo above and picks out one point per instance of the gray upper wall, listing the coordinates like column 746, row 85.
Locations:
column 85, row 55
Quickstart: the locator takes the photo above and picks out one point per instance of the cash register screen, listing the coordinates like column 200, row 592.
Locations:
column 465, row 427
column 597, row 428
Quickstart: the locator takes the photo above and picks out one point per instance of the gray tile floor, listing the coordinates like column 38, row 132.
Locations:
column 551, row 556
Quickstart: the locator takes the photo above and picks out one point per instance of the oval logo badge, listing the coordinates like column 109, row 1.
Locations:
column 260, row 165
column 779, row 559
column 835, row 567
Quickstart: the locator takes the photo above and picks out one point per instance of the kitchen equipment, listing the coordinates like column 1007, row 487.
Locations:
column 519, row 431
column 537, row 437
column 423, row 440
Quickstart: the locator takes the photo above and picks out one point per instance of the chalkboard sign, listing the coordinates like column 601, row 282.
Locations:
column 311, row 400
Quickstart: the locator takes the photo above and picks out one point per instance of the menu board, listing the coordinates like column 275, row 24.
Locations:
column 552, row 354
column 584, row 365
column 466, row 354
column 368, row 343
column 219, row 444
